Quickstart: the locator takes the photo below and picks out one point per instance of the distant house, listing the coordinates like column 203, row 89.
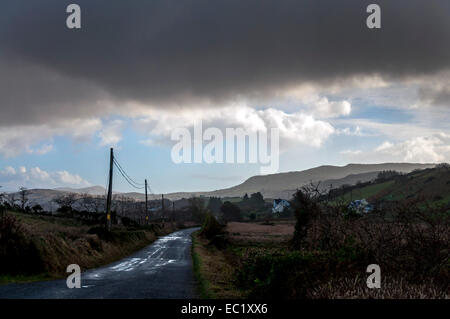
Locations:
column 279, row 205
column 360, row 206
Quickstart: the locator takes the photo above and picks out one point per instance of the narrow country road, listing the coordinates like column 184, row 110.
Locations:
column 161, row 270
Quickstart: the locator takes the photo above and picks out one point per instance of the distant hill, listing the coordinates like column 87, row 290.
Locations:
column 431, row 185
column 93, row 190
column 281, row 185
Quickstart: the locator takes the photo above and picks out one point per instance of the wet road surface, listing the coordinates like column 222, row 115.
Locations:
column 161, row 270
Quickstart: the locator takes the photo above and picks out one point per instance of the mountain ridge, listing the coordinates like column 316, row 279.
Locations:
column 279, row 185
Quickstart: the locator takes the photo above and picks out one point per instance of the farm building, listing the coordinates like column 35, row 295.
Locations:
column 279, row 205
column 360, row 206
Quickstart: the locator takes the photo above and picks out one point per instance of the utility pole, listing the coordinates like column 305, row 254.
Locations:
column 146, row 202
column 108, row 199
column 162, row 206
column 173, row 211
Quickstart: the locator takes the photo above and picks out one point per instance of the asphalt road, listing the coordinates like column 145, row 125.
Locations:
column 161, row 270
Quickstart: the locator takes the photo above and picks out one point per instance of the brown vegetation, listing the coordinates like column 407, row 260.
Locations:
column 327, row 252
column 278, row 231
column 217, row 269
column 35, row 245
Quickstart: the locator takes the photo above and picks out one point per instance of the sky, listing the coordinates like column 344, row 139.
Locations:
column 337, row 91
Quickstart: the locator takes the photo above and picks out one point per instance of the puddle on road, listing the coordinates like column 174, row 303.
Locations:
column 151, row 262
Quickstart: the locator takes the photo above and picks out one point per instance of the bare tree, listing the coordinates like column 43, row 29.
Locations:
column 2, row 208
column 93, row 204
column 11, row 199
column 66, row 201
column 23, row 193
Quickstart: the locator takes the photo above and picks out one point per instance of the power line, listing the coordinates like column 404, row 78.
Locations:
column 130, row 182
column 127, row 177
column 121, row 168
column 149, row 189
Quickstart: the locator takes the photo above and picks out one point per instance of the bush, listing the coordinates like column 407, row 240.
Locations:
column 210, row 227
column 128, row 222
column 18, row 253
column 280, row 275
column 306, row 208
column 231, row 212
column 101, row 232
column 197, row 209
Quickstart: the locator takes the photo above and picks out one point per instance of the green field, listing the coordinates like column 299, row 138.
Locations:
column 431, row 186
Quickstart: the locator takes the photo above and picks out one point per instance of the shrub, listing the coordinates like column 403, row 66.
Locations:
column 18, row 253
column 280, row 275
column 210, row 227
column 231, row 212
column 128, row 222
column 306, row 208
column 197, row 209
column 101, row 232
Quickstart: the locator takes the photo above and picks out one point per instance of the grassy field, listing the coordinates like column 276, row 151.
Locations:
column 216, row 268
column 433, row 185
column 257, row 262
column 41, row 247
column 260, row 233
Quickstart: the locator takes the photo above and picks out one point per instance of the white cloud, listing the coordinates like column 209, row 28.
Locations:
column 350, row 152
column 111, row 134
column 421, row 149
column 295, row 128
column 395, row 131
column 433, row 149
column 350, row 132
column 35, row 177
column 386, row 146
column 321, row 107
column 67, row 178
column 44, row 149
column 8, row 170
column 16, row 140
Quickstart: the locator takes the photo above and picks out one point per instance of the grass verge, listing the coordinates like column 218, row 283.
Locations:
column 204, row 286
column 215, row 269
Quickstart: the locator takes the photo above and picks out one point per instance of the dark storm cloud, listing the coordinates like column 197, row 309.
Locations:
column 435, row 96
column 168, row 50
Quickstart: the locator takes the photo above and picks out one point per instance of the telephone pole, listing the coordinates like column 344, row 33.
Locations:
column 162, row 206
column 108, row 199
column 173, row 211
column 146, row 202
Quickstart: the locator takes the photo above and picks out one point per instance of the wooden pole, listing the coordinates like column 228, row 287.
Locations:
column 108, row 199
column 162, row 206
column 146, row 202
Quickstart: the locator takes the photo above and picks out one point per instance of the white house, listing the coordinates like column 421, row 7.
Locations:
column 279, row 205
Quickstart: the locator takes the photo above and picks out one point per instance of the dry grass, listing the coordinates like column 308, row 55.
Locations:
column 280, row 231
column 391, row 288
column 216, row 269
column 61, row 242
